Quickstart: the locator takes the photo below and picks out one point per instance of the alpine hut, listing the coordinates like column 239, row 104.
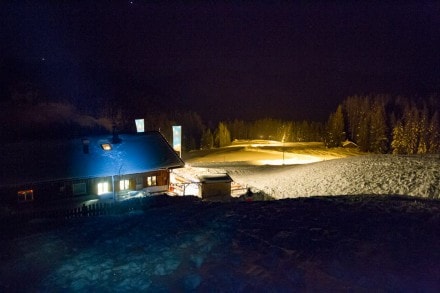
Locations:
column 97, row 165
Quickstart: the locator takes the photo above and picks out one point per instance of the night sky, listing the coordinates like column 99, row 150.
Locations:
column 224, row 61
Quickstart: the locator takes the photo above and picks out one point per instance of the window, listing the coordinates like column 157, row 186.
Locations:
column 79, row 188
column 151, row 181
column 25, row 195
column 106, row 146
column 103, row 187
column 124, row 184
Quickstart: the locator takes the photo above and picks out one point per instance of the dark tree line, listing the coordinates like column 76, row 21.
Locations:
column 385, row 124
column 25, row 112
column 267, row 129
column 275, row 129
column 196, row 135
column 376, row 123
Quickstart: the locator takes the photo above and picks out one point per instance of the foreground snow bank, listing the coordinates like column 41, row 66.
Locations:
column 183, row 244
column 371, row 174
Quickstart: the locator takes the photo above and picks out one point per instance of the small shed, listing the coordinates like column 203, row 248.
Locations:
column 215, row 185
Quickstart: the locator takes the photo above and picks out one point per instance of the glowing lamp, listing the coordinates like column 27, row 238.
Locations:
column 25, row 195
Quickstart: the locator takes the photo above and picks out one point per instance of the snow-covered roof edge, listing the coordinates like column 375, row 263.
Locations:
column 65, row 159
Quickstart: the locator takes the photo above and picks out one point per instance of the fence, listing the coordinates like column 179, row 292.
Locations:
column 17, row 219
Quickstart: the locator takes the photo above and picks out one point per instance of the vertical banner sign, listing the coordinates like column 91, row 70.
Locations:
column 177, row 139
column 139, row 125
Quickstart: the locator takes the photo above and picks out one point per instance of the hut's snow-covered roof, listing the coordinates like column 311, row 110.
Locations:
column 50, row 160
column 215, row 178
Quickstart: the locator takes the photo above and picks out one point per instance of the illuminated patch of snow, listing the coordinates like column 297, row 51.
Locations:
column 291, row 159
column 314, row 170
column 376, row 174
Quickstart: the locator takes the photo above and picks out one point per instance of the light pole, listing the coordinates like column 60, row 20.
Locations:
column 283, row 152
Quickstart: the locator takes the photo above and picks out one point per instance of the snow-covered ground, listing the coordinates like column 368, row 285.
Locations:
column 316, row 171
column 369, row 174
column 183, row 244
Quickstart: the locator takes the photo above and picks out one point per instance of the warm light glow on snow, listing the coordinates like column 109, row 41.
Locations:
column 291, row 161
column 310, row 169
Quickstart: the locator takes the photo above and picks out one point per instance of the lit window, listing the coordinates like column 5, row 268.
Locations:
column 106, row 146
column 103, row 188
column 25, row 195
column 151, row 181
column 124, row 184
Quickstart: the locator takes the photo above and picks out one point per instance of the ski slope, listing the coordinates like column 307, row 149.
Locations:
column 316, row 171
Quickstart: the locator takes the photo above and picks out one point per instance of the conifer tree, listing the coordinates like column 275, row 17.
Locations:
column 222, row 135
column 398, row 143
column 434, row 134
column 207, row 141
column 378, row 129
column 411, row 129
column 335, row 133
column 238, row 129
column 363, row 136
column 423, row 126
column 284, row 131
column 353, row 114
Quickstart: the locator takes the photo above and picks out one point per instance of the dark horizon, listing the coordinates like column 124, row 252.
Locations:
column 223, row 61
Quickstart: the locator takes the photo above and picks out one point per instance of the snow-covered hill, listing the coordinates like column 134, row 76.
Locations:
column 315, row 171
column 378, row 174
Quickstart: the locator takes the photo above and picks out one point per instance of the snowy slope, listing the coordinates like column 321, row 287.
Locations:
column 374, row 174
column 310, row 169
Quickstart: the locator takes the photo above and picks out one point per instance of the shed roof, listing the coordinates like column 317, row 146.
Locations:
column 215, row 178
column 50, row 160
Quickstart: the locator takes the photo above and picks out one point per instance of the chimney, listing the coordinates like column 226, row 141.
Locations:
column 85, row 143
column 115, row 138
